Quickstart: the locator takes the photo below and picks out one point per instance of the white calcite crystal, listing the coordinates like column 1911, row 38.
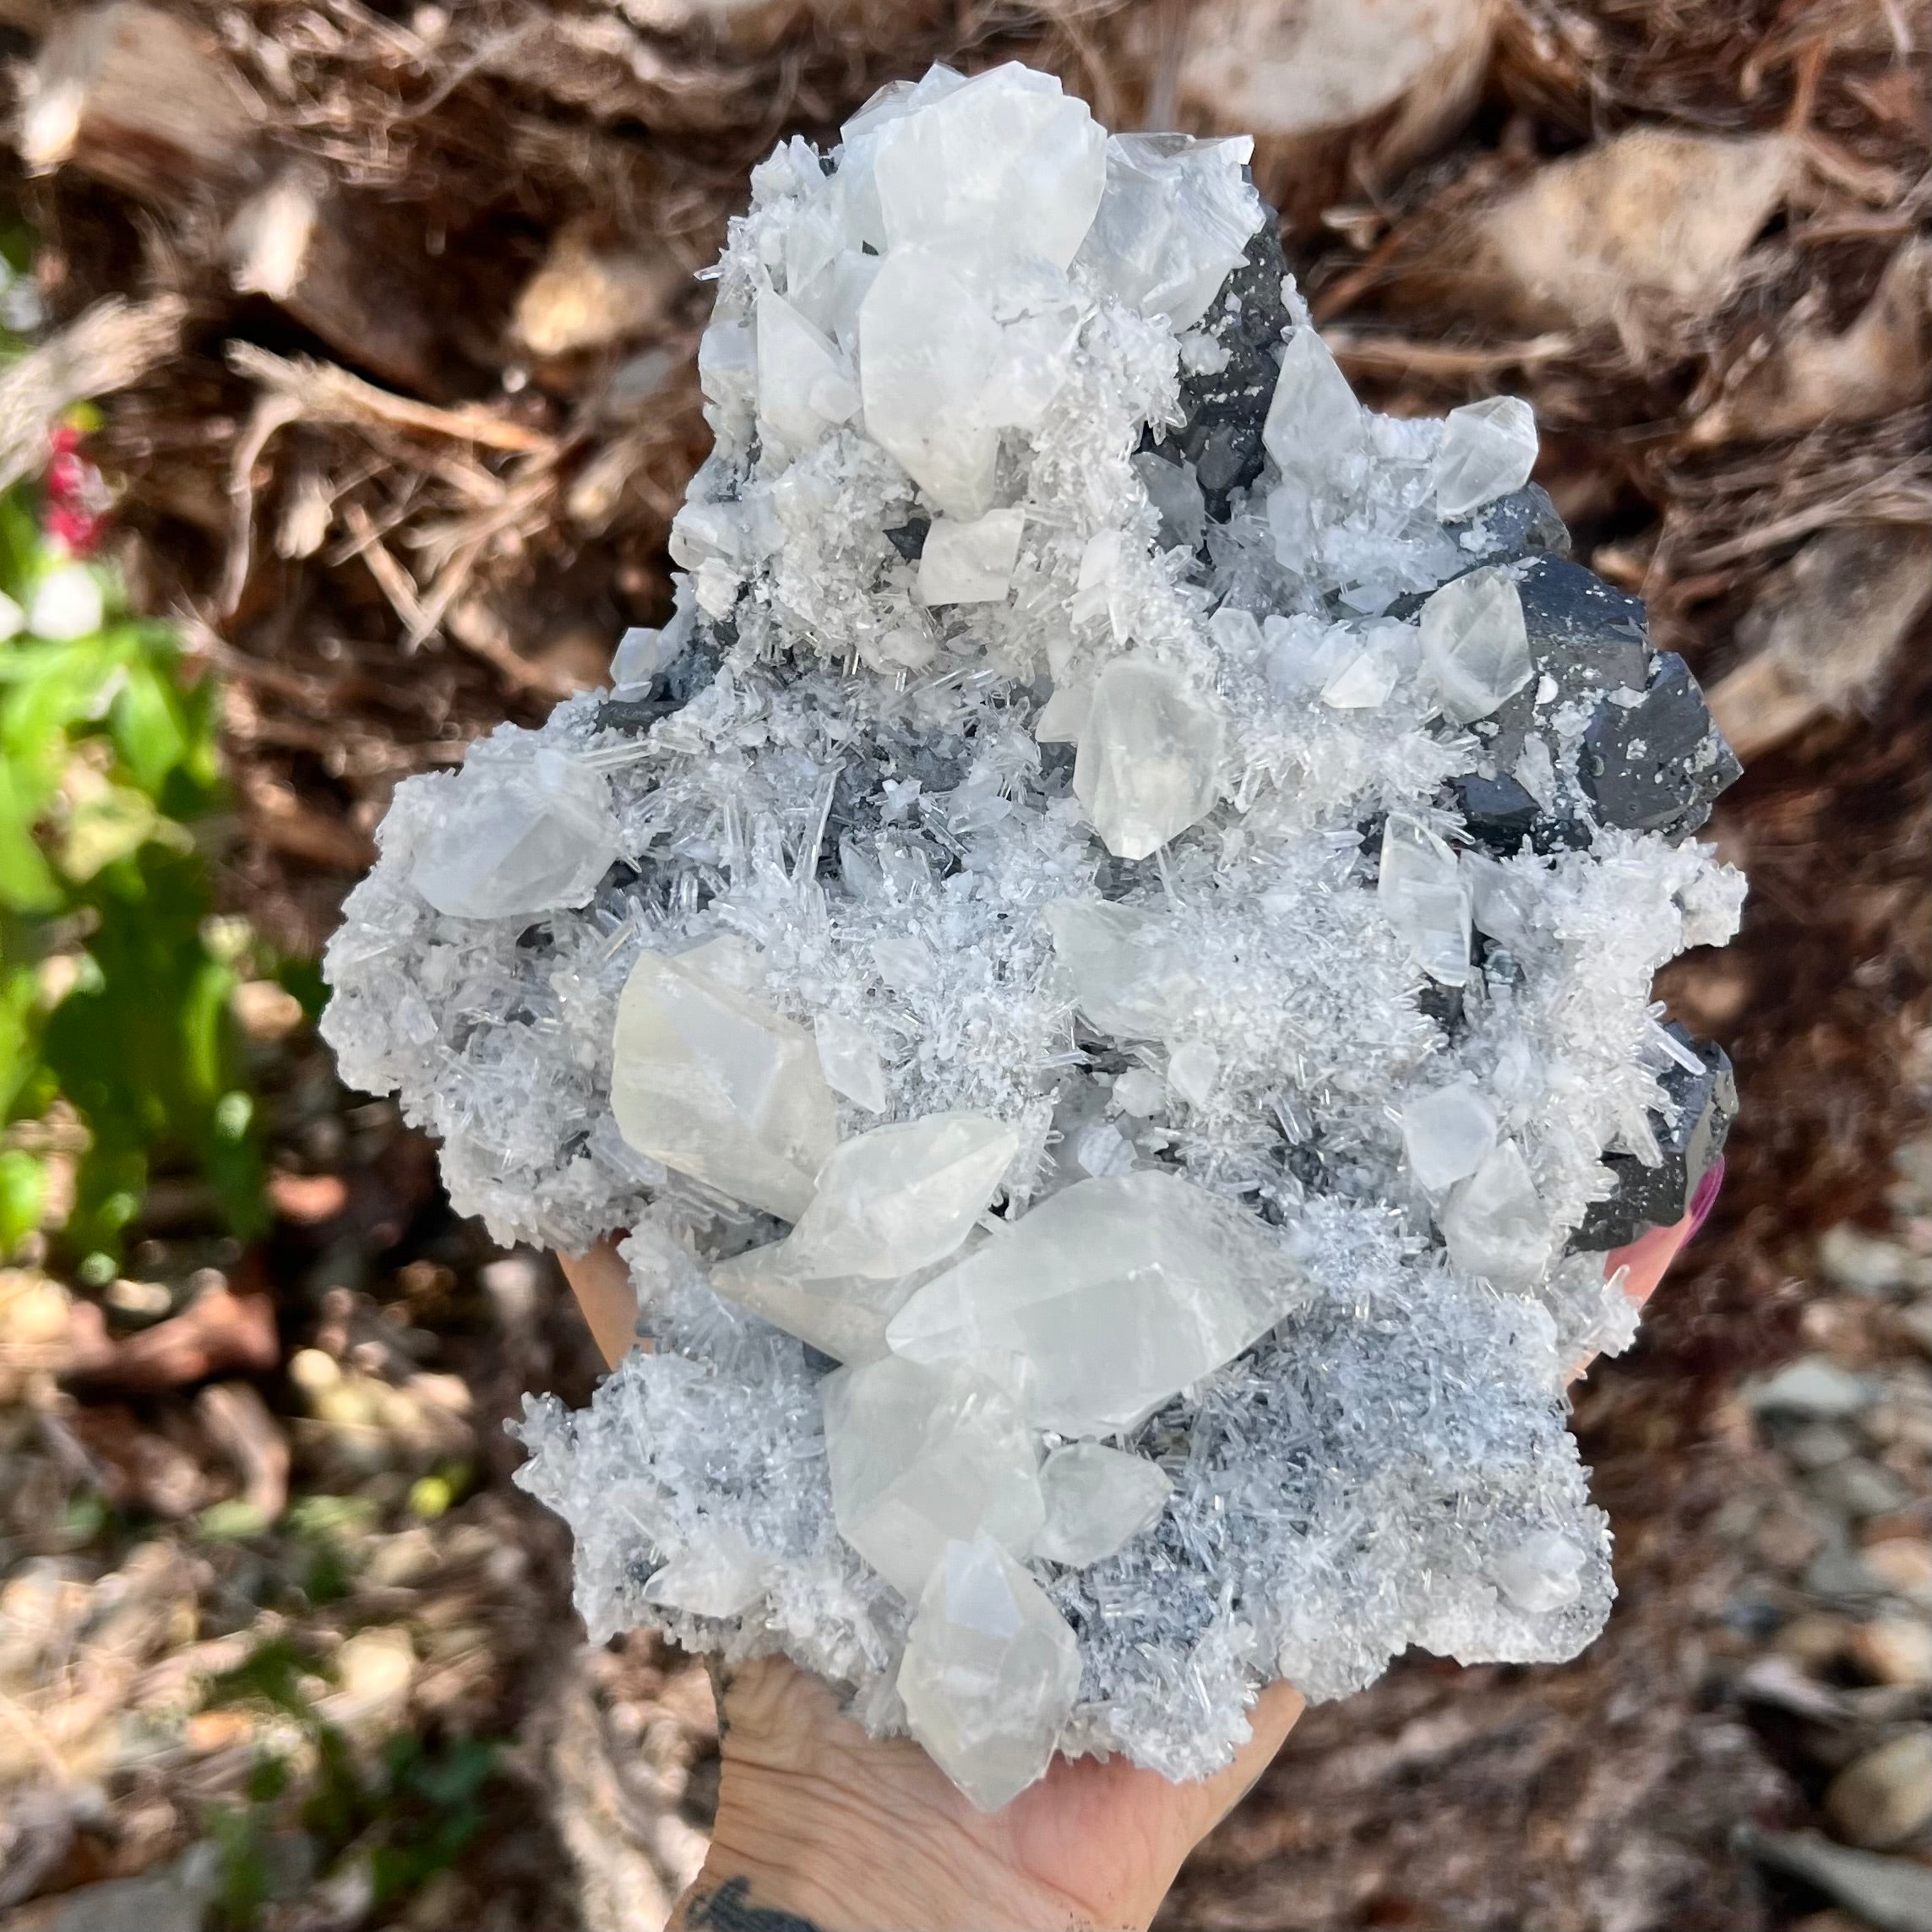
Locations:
column 1448, row 1133
column 1487, row 450
column 1117, row 1295
column 1475, row 644
column 518, row 837
column 719, row 1577
column 1150, row 755
column 848, row 1056
column 901, row 1198
column 1096, row 1499
column 1426, row 898
column 708, row 1079
column 990, row 1672
column 1098, row 966
column 1495, row 1223
column 970, row 562
column 919, row 1456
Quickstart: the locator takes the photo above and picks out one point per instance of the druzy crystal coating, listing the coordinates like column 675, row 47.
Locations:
column 1098, row 966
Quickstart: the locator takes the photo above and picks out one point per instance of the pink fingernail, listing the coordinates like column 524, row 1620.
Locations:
column 1706, row 1198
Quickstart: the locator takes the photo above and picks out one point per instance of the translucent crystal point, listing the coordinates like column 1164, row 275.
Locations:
column 1149, row 758
column 1541, row 1573
column 1315, row 429
column 719, row 1577
column 902, row 1197
column 1447, row 1134
column 929, row 347
column 1175, row 218
column 850, row 1057
column 1174, row 491
column 1006, row 163
column 921, row 1455
column 1495, row 1223
column 1117, row 1292
column 844, row 1316
column 519, row 837
column 715, row 1083
column 1475, row 645
column 1194, row 1068
column 804, row 389
column 1487, row 450
column 990, row 1674
column 970, row 562
column 1424, row 896
column 1129, row 977
column 1364, row 682
column 644, row 654
column 1096, row 1499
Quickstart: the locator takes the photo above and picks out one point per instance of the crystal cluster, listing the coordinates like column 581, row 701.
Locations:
column 1099, row 966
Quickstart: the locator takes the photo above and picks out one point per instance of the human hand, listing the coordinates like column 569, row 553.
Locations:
column 821, row 1826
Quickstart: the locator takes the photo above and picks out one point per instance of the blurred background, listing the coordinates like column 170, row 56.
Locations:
column 347, row 389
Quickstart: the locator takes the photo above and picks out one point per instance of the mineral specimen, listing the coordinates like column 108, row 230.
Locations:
column 1098, row 966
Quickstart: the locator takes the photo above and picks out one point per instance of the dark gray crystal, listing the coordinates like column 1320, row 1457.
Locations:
column 1657, row 766
column 1224, row 410
column 1652, row 758
column 1498, row 811
column 1523, row 524
column 1705, row 1103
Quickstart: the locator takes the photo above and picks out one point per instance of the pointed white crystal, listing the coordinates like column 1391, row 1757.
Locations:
column 1487, row 450
column 1536, row 771
column 844, row 1316
column 1315, row 428
column 1424, row 896
column 1096, row 1498
column 517, row 837
column 929, row 347
column 1501, row 897
column 1174, row 221
column 989, row 1675
column 1475, row 645
column 1117, row 1292
column 1063, row 717
column 803, row 389
column 719, row 1577
column 1495, row 1223
column 1006, row 164
column 850, row 1059
column 1128, row 975
column 902, row 1197
column 1140, row 1093
column 1194, row 1068
column 970, row 562
column 1174, row 491
column 920, row 1455
column 1446, row 1134
column 1541, row 1573
column 1149, row 761
column 1364, row 682
column 644, row 654
column 715, row 1083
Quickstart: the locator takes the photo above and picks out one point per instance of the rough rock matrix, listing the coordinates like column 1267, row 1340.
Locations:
column 1102, row 959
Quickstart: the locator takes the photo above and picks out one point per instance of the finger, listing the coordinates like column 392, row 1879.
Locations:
column 602, row 1284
